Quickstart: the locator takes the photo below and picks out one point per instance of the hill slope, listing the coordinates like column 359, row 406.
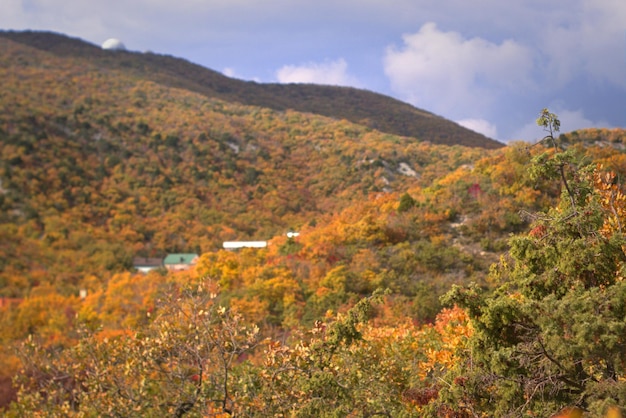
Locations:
column 98, row 165
column 359, row 106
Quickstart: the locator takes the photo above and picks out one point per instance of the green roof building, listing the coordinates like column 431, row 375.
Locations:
column 178, row 262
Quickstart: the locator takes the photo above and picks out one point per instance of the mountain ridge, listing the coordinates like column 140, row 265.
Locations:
column 364, row 107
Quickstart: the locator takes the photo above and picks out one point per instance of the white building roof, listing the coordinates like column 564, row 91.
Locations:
column 244, row 244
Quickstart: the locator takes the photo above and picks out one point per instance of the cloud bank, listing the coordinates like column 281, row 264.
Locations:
column 461, row 78
column 481, row 126
column 331, row 73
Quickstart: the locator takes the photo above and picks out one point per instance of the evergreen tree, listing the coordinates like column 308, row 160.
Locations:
column 552, row 335
column 406, row 203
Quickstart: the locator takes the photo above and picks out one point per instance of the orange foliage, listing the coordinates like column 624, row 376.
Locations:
column 451, row 332
column 613, row 201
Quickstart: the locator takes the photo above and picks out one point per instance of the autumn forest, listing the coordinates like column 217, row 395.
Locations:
column 429, row 270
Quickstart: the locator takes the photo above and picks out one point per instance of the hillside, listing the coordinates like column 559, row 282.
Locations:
column 415, row 261
column 99, row 166
column 358, row 106
column 615, row 137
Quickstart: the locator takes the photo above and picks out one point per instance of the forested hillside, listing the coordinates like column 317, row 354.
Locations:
column 100, row 164
column 358, row 106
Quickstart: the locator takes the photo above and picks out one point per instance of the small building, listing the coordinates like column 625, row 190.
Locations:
column 234, row 245
column 113, row 44
column 179, row 262
column 144, row 264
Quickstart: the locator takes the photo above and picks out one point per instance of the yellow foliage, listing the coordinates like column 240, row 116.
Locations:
column 47, row 314
column 574, row 412
column 128, row 299
column 222, row 267
column 253, row 309
column 613, row 201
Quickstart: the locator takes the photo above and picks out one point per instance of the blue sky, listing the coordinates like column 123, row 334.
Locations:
column 490, row 65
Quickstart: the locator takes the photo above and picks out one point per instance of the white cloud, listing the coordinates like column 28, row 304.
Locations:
column 330, row 73
column 571, row 120
column 575, row 119
column 481, row 126
column 446, row 73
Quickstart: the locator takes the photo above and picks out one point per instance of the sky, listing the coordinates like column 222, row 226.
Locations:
column 490, row 65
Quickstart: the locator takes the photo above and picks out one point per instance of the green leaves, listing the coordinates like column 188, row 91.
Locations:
column 552, row 334
column 549, row 121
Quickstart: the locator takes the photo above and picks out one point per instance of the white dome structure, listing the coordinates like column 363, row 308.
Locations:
column 113, row 45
